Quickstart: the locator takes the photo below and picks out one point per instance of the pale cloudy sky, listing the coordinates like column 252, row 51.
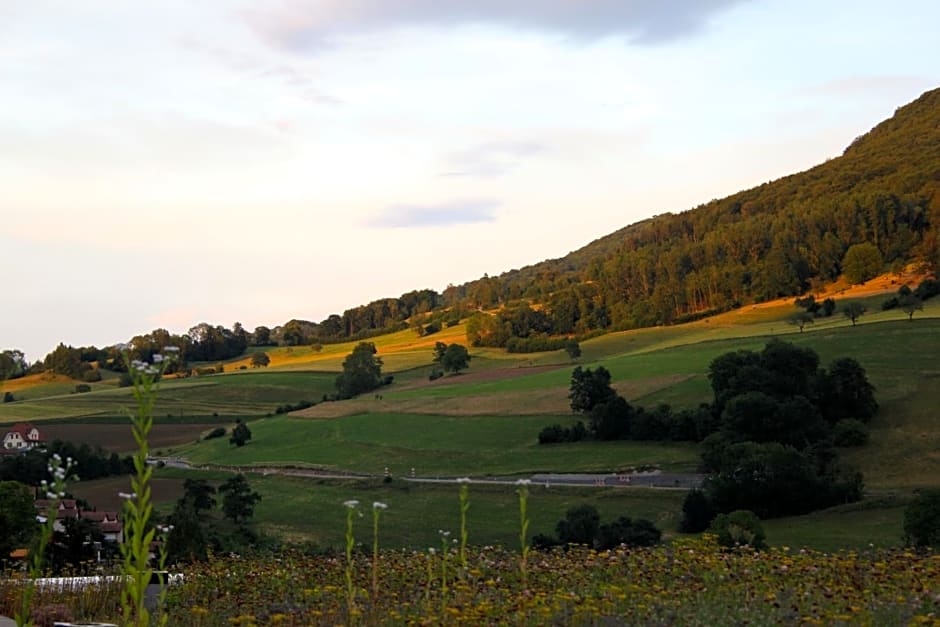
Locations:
column 172, row 162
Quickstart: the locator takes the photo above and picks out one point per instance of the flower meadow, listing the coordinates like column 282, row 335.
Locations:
column 688, row 582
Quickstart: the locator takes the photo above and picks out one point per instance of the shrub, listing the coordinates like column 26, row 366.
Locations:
column 739, row 528
column 580, row 525
column 850, row 432
column 624, row 531
column 81, row 388
column 922, row 519
column 91, row 376
column 891, row 303
column 928, row 288
column 436, row 374
column 8, row 397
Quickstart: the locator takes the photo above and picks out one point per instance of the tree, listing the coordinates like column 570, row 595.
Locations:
column 573, row 349
column 922, row 519
column 240, row 434
column 17, row 517
column 261, row 336
column 455, row 358
column 739, row 528
column 362, row 371
column 909, row 303
column 697, row 512
column 853, row 311
column 200, row 493
column 801, row 319
column 260, row 360
column 611, row 419
column 862, row 262
column 439, row 349
column 845, row 392
column 580, row 525
column 187, row 540
column 238, row 499
column 589, row 388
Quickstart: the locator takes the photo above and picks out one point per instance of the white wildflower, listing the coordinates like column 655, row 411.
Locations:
column 463, row 480
column 378, row 505
column 171, row 349
column 523, row 481
column 127, row 496
column 351, row 503
column 157, row 358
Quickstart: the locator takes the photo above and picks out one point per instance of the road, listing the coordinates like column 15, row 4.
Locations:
column 649, row 479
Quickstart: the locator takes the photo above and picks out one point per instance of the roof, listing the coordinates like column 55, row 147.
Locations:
column 23, row 428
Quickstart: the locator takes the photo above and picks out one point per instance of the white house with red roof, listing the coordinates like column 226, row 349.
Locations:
column 22, row 437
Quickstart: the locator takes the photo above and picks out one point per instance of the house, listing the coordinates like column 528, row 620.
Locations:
column 108, row 523
column 22, row 437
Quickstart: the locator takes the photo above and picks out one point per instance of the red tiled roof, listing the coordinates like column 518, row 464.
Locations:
column 23, row 428
column 110, row 527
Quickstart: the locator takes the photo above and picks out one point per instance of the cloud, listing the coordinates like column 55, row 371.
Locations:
column 445, row 214
column 492, row 158
column 303, row 82
column 311, row 24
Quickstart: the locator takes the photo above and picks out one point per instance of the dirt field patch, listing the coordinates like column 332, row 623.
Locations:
column 118, row 438
column 102, row 494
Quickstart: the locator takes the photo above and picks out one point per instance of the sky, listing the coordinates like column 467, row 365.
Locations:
column 168, row 163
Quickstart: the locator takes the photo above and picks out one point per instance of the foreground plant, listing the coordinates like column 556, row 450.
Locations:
column 523, row 530
column 54, row 490
column 138, row 506
column 377, row 509
column 350, row 506
column 464, row 495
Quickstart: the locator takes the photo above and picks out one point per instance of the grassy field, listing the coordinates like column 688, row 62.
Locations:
column 433, row 445
column 486, row 421
column 238, row 393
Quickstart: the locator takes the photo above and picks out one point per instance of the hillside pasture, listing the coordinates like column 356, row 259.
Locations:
column 432, row 445
column 236, row 394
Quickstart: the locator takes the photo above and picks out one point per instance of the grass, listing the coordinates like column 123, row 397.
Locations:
column 234, row 394
column 433, row 445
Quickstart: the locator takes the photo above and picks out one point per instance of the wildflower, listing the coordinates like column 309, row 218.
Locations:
column 351, row 503
column 127, row 495
column 378, row 505
column 157, row 358
column 463, row 480
column 171, row 349
column 523, row 482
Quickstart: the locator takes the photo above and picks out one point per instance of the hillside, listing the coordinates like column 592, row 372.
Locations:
column 777, row 239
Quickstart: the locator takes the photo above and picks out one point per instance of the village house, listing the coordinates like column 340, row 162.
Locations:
column 22, row 437
column 107, row 522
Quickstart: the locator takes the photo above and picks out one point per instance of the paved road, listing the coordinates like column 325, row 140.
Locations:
column 651, row 479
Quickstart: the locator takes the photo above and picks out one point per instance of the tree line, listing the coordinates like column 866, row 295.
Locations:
column 769, row 437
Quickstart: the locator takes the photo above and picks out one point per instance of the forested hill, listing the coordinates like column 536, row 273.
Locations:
column 774, row 240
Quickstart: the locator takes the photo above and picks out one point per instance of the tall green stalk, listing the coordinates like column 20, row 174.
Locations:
column 138, row 506
column 464, row 508
column 523, row 530
column 351, row 506
column 377, row 508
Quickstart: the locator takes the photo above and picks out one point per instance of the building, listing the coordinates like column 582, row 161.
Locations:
column 22, row 437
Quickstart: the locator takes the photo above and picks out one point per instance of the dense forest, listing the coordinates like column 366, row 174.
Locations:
column 874, row 208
